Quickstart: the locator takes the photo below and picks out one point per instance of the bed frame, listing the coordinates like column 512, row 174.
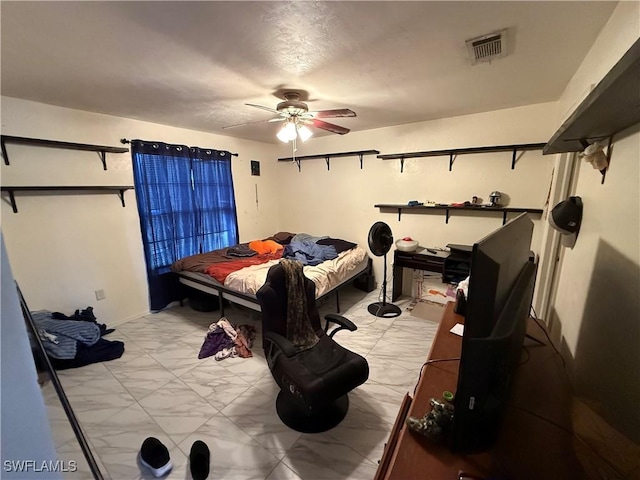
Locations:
column 205, row 284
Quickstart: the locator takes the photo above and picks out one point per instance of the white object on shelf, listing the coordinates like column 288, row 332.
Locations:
column 406, row 245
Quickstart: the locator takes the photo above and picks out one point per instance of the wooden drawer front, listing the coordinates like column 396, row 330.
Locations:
column 390, row 446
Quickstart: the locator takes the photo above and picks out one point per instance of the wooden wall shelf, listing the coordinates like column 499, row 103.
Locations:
column 328, row 156
column 448, row 208
column 453, row 152
column 119, row 189
column 611, row 107
column 102, row 150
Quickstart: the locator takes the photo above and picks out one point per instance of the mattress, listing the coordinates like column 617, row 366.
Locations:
column 241, row 286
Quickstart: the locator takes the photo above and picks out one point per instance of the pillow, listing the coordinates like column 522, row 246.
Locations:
column 283, row 238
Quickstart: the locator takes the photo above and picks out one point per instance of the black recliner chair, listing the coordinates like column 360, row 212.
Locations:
column 316, row 374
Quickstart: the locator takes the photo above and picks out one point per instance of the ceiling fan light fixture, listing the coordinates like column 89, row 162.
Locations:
column 297, row 119
column 287, row 132
column 304, row 132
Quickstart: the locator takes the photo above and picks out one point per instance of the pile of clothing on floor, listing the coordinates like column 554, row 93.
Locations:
column 224, row 340
column 76, row 340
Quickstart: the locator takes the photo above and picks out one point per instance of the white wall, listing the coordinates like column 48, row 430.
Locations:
column 597, row 303
column 64, row 247
column 26, row 434
column 340, row 201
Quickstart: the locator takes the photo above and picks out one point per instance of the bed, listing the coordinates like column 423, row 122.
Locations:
column 237, row 272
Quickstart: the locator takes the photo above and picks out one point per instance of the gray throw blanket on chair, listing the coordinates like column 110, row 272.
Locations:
column 299, row 330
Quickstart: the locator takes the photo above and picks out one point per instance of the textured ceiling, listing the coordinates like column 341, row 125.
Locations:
column 195, row 64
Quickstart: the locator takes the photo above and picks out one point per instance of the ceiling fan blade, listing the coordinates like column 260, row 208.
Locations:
column 272, row 110
column 330, row 127
column 342, row 112
column 250, row 123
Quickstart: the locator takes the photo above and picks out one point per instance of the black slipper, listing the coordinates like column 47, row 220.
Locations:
column 199, row 460
column 155, row 456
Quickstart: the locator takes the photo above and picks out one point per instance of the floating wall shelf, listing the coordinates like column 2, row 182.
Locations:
column 99, row 189
column 449, row 208
column 611, row 107
column 37, row 142
column 328, row 156
column 453, row 152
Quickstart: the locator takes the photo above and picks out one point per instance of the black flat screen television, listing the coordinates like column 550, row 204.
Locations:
column 501, row 283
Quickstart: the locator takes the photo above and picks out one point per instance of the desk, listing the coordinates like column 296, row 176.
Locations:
column 534, row 441
column 453, row 267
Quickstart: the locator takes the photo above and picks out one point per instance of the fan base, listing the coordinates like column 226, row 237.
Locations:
column 386, row 310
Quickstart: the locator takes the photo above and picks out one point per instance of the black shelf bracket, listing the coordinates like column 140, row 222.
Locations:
column 454, row 152
column 514, row 158
column 4, row 151
column 121, row 195
column 604, row 170
column 328, row 156
column 102, row 150
column 103, row 157
column 12, row 198
column 119, row 190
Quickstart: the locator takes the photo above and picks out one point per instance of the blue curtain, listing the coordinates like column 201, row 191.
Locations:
column 186, row 205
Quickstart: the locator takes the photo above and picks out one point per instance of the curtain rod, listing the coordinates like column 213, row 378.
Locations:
column 124, row 140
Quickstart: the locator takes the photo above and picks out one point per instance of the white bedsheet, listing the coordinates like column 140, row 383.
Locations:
column 325, row 276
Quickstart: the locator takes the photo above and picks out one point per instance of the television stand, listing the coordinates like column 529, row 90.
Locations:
column 535, row 440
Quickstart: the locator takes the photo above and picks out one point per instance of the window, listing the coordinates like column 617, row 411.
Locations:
column 186, row 204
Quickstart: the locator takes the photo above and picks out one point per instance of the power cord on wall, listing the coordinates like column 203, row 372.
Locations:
column 387, row 299
column 435, row 360
column 544, row 330
column 389, row 295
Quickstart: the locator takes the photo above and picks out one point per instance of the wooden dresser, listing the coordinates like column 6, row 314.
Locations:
column 535, row 440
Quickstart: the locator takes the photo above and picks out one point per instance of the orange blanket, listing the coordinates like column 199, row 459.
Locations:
column 220, row 271
column 265, row 246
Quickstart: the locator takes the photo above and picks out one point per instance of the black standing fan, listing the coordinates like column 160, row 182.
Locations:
column 380, row 241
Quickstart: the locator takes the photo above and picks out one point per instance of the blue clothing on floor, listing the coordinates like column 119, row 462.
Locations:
column 67, row 332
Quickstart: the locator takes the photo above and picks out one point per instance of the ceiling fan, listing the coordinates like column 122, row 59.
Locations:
column 297, row 116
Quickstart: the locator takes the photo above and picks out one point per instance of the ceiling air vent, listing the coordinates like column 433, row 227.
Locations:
column 487, row 47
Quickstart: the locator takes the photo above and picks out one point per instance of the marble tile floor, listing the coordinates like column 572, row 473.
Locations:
column 159, row 388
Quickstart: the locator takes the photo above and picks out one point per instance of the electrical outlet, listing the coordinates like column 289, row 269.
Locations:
column 100, row 295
